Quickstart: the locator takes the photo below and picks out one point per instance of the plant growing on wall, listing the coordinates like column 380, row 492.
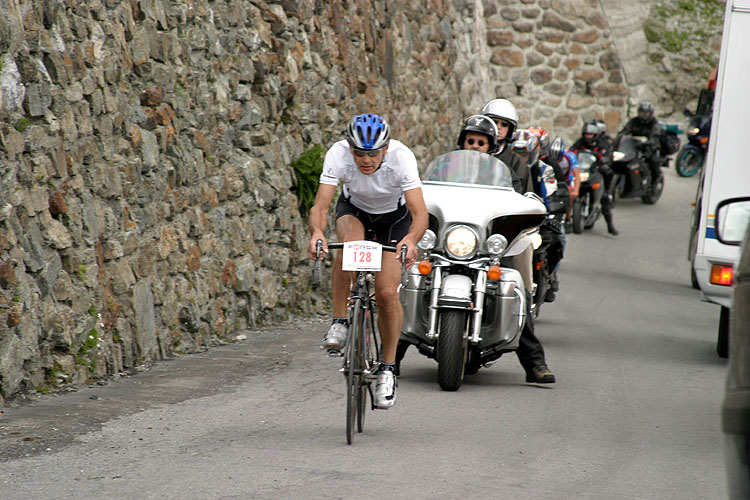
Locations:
column 308, row 168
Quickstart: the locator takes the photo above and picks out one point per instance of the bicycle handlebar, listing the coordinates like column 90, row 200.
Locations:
column 334, row 246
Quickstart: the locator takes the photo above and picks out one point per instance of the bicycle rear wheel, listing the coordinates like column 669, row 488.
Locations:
column 353, row 364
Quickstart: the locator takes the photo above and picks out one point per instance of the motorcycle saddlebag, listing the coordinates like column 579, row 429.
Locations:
column 670, row 143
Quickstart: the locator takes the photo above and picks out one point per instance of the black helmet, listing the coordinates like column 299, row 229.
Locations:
column 483, row 125
column 645, row 110
column 589, row 128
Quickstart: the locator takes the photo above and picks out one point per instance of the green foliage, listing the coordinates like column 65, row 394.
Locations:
column 684, row 29
column 22, row 124
column 92, row 311
column 82, row 273
column 308, row 168
column 91, row 341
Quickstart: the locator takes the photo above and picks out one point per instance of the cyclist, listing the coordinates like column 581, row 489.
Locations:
column 382, row 194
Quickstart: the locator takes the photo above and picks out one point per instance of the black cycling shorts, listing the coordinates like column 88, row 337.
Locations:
column 386, row 229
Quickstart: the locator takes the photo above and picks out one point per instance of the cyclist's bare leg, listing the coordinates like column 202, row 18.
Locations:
column 390, row 312
column 348, row 228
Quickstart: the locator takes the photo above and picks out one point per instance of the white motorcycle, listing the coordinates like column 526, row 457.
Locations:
column 462, row 305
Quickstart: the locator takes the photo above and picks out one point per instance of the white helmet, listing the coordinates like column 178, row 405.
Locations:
column 502, row 109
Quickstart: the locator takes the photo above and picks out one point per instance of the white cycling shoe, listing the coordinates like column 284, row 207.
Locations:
column 385, row 389
column 335, row 339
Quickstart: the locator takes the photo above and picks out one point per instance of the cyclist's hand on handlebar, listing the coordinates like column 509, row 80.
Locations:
column 411, row 252
column 312, row 247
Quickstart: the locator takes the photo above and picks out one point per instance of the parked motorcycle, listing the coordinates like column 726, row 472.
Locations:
column 587, row 207
column 463, row 306
column 632, row 177
column 692, row 155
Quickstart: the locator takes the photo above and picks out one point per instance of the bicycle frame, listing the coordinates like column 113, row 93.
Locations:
column 362, row 352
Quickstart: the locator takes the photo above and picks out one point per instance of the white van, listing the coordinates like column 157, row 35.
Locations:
column 727, row 170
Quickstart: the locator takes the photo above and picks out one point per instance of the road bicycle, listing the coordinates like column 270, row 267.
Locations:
column 361, row 354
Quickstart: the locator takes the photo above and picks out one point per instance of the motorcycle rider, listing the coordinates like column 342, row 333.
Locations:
column 382, row 192
column 505, row 116
column 645, row 124
column 530, row 352
column 569, row 164
column 592, row 140
column 532, row 145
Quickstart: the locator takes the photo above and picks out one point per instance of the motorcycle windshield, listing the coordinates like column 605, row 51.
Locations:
column 586, row 159
column 469, row 167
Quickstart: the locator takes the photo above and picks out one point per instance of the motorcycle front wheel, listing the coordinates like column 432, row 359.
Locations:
column 689, row 162
column 654, row 193
column 578, row 216
column 451, row 349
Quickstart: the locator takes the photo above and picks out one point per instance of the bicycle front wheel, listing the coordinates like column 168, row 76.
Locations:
column 368, row 347
column 353, row 363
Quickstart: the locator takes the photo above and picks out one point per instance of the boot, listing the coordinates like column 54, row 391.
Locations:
column 610, row 224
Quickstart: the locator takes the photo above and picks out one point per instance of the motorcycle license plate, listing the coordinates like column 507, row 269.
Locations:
column 362, row 256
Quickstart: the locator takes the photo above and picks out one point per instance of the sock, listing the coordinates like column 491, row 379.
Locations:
column 390, row 367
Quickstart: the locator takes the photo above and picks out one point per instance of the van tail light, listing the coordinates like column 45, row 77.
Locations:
column 722, row 275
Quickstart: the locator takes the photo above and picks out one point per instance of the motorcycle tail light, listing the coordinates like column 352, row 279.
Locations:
column 493, row 273
column 704, row 140
column 596, row 185
column 721, row 275
column 424, row 267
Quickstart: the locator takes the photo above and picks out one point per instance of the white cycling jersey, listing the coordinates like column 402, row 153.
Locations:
column 380, row 192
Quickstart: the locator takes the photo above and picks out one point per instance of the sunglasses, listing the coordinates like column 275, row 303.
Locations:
column 480, row 142
column 503, row 123
column 372, row 153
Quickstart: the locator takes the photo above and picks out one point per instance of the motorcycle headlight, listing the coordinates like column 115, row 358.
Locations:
column 584, row 176
column 428, row 241
column 694, row 131
column 618, row 155
column 496, row 244
column 461, row 242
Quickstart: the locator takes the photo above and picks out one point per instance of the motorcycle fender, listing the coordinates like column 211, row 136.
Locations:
column 456, row 291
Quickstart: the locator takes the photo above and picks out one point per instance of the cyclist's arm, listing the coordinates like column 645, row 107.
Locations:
column 419, row 220
column 318, row 218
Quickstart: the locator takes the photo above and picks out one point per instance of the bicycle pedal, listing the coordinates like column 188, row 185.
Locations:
column 335, row 353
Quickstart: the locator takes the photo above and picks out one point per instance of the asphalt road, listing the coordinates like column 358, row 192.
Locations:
column 635, row 413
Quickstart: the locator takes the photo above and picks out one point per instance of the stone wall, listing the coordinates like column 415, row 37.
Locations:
column 147, row 198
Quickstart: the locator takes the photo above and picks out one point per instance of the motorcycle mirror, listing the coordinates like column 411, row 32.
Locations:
column 687, row 112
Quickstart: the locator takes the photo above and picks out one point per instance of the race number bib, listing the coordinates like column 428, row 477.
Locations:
column 362, row 256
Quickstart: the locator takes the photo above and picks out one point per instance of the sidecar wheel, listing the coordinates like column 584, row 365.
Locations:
column 451, row 350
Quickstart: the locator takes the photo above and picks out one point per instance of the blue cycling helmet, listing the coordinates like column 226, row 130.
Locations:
column 368, row 131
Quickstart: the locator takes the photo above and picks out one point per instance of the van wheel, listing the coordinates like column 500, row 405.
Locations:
column 722, row 341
